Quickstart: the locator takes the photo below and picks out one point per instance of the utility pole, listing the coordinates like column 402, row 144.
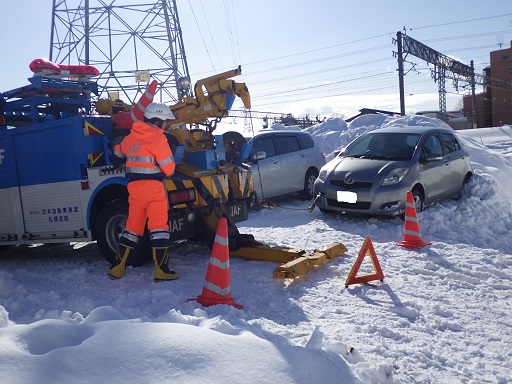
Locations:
column 474, row 121
column 400, row 59
column 130, row 43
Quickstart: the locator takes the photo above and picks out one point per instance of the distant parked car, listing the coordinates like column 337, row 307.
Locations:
column 284, row 162
column 373, row 173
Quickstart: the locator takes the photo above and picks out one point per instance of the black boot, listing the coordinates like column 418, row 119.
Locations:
column 122, row 253
column 162, row 271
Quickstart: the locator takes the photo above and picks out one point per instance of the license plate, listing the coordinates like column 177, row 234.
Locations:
column 346, row 197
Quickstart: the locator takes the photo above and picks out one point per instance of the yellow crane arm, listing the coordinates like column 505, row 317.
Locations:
column 214, row 97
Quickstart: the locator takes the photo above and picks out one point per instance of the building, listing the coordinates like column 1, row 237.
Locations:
column 493, row 107
column 455, row 119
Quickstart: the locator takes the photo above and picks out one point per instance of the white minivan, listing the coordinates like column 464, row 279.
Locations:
column 284, row 162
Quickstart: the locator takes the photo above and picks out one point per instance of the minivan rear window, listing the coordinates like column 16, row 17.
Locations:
column 306, row 141
column 287, row 144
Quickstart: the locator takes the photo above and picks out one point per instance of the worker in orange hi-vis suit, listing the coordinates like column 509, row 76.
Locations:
column 149, row 160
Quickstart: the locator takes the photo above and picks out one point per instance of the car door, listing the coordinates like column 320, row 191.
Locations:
column 294, row 163
column 455, row 163
column 434, row 174
column 266, row 172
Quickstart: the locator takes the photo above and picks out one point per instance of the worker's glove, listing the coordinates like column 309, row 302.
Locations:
column 117, row 162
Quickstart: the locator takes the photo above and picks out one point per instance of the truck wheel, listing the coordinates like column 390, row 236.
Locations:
column 309, row 182
column 109, row 226
column 5, row 247
column 233, row 142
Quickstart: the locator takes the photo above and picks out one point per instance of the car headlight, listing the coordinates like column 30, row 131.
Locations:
column 395, row 176
column 322, row 175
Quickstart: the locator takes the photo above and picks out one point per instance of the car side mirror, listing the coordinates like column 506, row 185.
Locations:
column 258, row 156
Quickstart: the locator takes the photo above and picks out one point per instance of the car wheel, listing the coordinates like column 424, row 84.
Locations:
column 461, row 192
column 326, row 211
column 417, row 197
column 233, row 142
column 309, row 182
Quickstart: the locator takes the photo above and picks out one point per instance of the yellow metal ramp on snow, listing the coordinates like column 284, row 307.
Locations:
column 296, row 262
column 268, row 253
column 308, row 261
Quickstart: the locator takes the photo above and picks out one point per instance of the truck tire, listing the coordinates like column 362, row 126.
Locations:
column 233, row 143
column 5, row 247
column 109, row 225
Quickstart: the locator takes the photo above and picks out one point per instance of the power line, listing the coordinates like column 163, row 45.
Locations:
column 201, row 34
column 324, row 85
column 209, row 32
column 462, row 21
column 366, row 50
column 317, row 49
column 317, row 80
column 445, row 38
column 337, row 95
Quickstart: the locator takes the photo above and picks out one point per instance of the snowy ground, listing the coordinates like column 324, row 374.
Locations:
column 441, row 315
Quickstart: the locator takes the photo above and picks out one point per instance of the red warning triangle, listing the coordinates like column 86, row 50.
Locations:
column 366, row 250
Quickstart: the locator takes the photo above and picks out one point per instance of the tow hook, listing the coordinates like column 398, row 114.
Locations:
column 310, row 209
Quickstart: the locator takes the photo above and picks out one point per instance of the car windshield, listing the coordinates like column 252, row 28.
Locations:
column 387, row 146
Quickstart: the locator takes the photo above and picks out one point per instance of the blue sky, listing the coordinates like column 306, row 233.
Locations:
column 317, row 58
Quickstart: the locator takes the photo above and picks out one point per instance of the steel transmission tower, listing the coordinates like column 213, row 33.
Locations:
column 131, row 43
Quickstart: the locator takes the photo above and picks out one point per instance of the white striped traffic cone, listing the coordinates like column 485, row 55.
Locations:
column 137, row 113
column 124, row 120
column 217, row 288
column 412, row 235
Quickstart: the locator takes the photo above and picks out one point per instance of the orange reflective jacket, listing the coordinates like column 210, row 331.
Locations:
column 147, row 153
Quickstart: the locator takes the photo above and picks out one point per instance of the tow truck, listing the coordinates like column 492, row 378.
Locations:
column 57, row 182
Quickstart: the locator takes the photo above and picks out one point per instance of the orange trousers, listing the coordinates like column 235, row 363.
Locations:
column 147, row 201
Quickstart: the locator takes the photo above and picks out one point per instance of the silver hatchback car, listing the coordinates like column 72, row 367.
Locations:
column 284, row 162
column 374, row 172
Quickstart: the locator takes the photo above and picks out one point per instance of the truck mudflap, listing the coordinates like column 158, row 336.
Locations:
column 238, row 210
column 181, row 225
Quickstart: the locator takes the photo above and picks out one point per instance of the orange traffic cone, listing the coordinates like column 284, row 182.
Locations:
column 412, row 236
column 124, row 120
column 216, row 288
column 137, row 113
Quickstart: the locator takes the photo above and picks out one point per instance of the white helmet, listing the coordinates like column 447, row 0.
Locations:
column 161, row 111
